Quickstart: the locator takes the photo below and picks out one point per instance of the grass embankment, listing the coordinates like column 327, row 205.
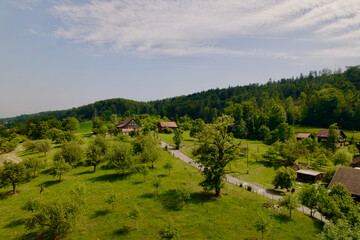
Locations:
column 230, row 217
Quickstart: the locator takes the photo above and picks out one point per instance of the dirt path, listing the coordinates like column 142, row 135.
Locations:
column 11, row 156
column 255, row 188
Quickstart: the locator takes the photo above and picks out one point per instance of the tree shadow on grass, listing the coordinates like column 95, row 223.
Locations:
column 170, row 200
column 14, row 223
column 113, row 177
column 202, row 197
column 148, row 195
column 4, row 195
column 83, row 173
column 282, row 217
column 32, row 236
column 123, row 231
column 101, row 213
column 51, row 183
column 162, row 175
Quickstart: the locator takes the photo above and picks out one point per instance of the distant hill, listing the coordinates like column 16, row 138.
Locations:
column 319, row 99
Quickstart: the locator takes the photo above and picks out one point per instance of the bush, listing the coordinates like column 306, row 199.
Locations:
column 241, row 185
column 249, row 188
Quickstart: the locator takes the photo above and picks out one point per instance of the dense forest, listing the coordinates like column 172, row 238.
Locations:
column 317, row 99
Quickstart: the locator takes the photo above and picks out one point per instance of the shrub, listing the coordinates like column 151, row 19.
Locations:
column 249, row 188
column 241, row 185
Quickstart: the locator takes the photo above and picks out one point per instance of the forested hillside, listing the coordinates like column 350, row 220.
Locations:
column 317, row 99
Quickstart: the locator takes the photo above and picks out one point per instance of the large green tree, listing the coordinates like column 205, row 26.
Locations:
column 13, row 174
column 216, row 149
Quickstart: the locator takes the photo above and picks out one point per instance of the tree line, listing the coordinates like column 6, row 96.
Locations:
column 317, row 99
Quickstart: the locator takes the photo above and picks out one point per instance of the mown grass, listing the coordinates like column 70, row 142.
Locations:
column 85, row 127
column 260, row 171
column 230, row 217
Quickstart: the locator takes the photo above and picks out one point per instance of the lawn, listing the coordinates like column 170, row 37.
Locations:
column 203, row 217
column 260, row 172
column 85, row 127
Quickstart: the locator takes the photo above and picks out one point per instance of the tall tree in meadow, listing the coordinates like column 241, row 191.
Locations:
column 216, row 149
column 13, row 174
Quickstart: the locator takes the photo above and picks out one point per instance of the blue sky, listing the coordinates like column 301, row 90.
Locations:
column 63, row 54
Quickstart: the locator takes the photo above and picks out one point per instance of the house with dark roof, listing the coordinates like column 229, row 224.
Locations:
column 323, row 135
column 350, row 178
column 170, row 125
column 304, row 135
column 356, row 162
column 128, row 125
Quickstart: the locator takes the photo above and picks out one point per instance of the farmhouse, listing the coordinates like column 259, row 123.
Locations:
column 128, row 125
column 304, row 135
column 350, row 178
column 324, row 134
column 309, row 176
column 163, row 125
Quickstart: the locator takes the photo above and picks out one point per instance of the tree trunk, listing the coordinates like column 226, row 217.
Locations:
column 262, row 234
column 290, row 213
column 60, row 178
column 14, row 188
column 94, row 168
column 217, row 192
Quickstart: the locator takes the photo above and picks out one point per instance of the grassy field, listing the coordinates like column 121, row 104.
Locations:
column 314, row 130
column 230, row 217
column 260, row 172
column 85, row 127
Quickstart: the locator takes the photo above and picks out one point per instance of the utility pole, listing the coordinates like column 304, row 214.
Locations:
column 247, row 159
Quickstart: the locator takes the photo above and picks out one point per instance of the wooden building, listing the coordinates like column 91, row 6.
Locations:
column 350, row 178
column 170, row 125
column 324, row 134
column 304, row 135
column 356, row 162
column 309, row 176
column 128, row 125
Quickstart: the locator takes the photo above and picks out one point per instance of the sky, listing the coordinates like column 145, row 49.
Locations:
column 59, row 54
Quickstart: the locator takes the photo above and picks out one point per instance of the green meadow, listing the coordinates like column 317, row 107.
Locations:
column 232, row 216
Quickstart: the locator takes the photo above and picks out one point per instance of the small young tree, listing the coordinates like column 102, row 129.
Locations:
column 143, row 170
column 168, row 166
column 31, row 205
column 308, row 197
column 262, row 223
column 111, row 199
column 284, row 178
column 120, row 158
column 290, row 202
column 183, row 195
column 34, row 164
column 70, row 124
column 96, row 152
column 56, row 217
column 178, row 137
column 13, row 174
column 149, row 150
column 157, row 184
column 169, row 231
column 333, row 137
column 43, row 146
column 72, row 152
column 135, row 214
column 59, row 166
column 342, row 157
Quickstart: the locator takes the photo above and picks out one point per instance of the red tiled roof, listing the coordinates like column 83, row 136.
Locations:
column 123, row 123
column 349, row 177
column 168, row 124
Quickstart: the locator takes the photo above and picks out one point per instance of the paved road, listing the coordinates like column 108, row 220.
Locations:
column 259, row 190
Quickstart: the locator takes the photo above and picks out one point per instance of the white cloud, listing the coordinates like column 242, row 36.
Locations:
column 192, row 27
column 25, row 4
